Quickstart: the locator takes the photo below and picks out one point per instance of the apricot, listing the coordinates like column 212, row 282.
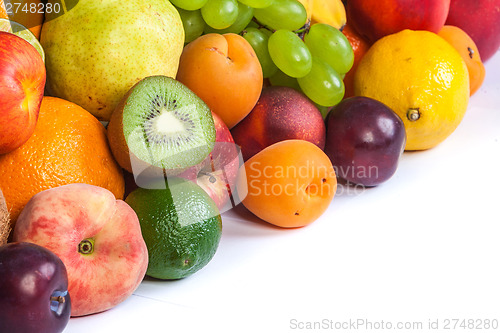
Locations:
column 469, row 52
column 224, row 71
column 289, row 184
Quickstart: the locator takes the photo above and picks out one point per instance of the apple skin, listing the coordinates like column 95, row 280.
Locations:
column 31, row 278
column 281, row 113
column 480, row 19
column 22, row 83
column 97, row 237
column 217, row 174
column 375, row 19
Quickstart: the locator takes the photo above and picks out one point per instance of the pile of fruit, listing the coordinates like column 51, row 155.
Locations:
column 128, row 127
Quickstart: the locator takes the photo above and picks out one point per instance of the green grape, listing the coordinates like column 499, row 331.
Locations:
column 193, row 24
column 282, row 14
column 245, row 15
column 289, row 53
column 258, row 40
column 281, row 79
column 257, row 3
column 220, row 14
column 330, row 45
column 189, row 4
column 323, row 85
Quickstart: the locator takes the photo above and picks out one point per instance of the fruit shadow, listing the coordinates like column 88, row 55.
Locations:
column 241, row 215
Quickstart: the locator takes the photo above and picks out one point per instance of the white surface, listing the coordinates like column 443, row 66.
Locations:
column 423, row 246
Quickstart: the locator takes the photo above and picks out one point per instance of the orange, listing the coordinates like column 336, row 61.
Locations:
column 69, row 145
column 359, row 46
column 289, row 184
column 467, row 49
column 422, row 78
column 29, row 13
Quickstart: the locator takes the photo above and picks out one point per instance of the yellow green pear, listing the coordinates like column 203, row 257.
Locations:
column 97, row 49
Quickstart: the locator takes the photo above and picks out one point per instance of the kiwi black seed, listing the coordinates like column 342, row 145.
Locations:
column 166, row 125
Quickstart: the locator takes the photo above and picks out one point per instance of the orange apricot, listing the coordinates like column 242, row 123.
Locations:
column 467, row 49
column 224, row 71
column 289, row 184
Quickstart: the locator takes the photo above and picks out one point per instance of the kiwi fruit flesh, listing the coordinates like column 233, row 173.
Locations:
column 161, row 123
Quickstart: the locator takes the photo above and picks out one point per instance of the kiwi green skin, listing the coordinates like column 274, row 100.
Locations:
column 181, row 238
column 116, row 138
column 121, row 148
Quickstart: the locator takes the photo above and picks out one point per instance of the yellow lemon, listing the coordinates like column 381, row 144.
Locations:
column 422, row 78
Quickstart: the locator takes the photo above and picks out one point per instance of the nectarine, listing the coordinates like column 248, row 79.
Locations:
column 282, row 113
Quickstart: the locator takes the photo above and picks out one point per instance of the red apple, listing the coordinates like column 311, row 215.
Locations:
column 97, row 237
column 480, row 19
column 22, row 82
column 281, row 113
column 218, row 172
column 375, row 19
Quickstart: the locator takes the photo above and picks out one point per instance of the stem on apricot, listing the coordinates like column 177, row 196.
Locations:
column 471, row 52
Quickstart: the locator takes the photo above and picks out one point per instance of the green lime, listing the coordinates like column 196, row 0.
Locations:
column 21, row 31
column 181, row 226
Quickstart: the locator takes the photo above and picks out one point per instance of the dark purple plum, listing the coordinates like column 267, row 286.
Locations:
column 33, row 290
column 364, row 140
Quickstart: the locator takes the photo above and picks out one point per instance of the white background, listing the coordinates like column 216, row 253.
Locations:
column 423, row 246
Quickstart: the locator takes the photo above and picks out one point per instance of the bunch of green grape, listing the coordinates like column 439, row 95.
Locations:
column 312, row 59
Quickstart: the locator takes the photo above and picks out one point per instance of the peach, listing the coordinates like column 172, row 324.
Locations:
column 289, row 184
column 224, row 71
column 282, row 113
column 97, row 237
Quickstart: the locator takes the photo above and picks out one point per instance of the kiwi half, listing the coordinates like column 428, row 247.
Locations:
column 161, row 123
